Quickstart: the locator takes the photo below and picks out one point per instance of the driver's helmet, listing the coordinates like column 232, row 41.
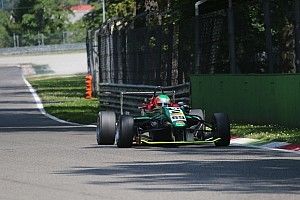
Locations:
column 162, row 100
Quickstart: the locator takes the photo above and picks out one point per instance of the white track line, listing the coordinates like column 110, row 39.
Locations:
column 40, row 106
column 275, row 144
column 45, row 127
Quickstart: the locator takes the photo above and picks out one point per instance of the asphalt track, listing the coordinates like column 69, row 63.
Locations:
column 43, row 159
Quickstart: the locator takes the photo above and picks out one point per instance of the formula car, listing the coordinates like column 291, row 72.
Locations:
column 162, row 122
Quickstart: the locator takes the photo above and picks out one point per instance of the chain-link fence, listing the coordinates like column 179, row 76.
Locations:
column 265, row 36
column 139, row 55
column 249, row 36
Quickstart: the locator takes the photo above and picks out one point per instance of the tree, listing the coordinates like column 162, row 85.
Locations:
column 94, row 18
column 42, row 16
column 76, row 32
column 122, row 9
column 46, row 16
column 22, row 7
column 4, row 29
column 251, row 37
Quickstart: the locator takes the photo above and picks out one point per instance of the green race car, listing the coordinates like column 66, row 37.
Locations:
column 162, row 122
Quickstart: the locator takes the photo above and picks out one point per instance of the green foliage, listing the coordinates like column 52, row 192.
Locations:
column 4, row 19
column 122, row 9
column 266, row 132
column 251, row 36
column 4, row 29
column 93, row 19
column 23, row 7
column 47, row 17
column 4, row 37
column 78, row 32
column 44, row 16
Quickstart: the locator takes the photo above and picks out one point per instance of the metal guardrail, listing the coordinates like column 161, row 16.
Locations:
column 42, row 49
column 111, row 95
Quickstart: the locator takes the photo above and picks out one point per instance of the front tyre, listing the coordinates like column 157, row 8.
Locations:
column 221, row 129
column 106, row 128
column 125, row 131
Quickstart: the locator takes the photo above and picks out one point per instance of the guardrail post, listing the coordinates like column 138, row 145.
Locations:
column 121, row 102
column 43, row 39
column 16, row 40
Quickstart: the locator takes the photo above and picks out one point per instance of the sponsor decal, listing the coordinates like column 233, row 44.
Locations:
column 180, row 123
column 176, row 115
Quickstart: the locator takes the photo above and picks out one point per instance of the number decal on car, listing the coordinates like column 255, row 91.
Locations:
column 176, row 114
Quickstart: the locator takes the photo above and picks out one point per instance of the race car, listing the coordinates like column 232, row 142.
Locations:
column 162, row 122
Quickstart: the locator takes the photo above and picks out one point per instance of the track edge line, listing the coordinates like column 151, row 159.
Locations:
column 41, row 108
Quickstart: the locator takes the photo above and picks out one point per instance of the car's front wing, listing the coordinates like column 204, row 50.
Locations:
column 179, row 143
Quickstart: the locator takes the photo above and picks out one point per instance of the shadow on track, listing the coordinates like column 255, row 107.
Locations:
column 264, row 174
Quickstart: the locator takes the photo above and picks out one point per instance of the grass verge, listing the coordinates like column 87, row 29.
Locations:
column 267, row 132
column 63, row 97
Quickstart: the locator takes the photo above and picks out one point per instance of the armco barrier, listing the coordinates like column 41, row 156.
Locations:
column 110, row 96
column 260, row 99
column 42, row 49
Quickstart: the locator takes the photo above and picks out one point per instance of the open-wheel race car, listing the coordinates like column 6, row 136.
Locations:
column 162, row 122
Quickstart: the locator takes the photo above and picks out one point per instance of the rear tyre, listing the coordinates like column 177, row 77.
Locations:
column 221, row 129
column 125, row 131
column 106, row 128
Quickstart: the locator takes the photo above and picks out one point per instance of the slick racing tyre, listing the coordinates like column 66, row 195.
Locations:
column 125, row 131
column 221, row 129
column 106, row 128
